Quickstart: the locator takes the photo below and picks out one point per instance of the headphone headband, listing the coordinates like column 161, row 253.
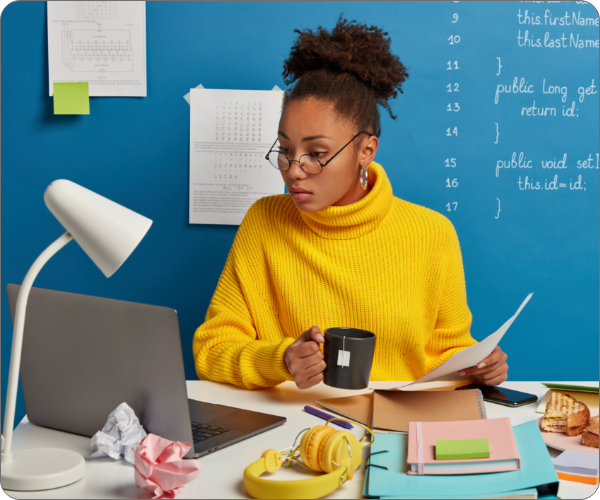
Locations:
column 322, row 448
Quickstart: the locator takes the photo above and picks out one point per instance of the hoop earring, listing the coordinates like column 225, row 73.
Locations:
column 364, row 177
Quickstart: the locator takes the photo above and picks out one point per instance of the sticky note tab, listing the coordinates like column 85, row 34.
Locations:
column 71, row 98
column 187, row 96
column 460, row 449
column 343, row 358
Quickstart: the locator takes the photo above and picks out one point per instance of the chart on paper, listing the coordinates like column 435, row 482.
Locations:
column 103, row 43
column 97, row 50
column 230, row 134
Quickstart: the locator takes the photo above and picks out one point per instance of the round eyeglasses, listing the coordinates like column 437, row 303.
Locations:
column 309, row 163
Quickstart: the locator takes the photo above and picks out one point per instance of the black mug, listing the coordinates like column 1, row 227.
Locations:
column 348, row 353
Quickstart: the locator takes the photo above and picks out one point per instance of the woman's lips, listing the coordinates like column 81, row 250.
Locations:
column 300, row 196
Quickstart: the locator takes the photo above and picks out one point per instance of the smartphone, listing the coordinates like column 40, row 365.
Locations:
column 502, row 396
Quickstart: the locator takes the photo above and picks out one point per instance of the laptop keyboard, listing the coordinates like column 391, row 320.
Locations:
column 202, row 432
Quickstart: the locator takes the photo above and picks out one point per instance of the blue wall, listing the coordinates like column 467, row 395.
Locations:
column 135, row 152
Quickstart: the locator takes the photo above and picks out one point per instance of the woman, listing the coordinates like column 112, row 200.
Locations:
column 339, row 249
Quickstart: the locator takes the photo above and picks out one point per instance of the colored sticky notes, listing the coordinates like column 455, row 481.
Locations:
column 71, row 98
column 460, row 449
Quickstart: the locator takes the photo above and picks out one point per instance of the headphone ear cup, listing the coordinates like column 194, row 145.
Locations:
column 335, row 449
column 311, row 443
column 324, row 464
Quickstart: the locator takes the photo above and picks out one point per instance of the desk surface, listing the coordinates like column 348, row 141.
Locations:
column 222, row 472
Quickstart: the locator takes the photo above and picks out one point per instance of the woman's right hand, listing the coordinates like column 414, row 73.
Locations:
column 304, row 358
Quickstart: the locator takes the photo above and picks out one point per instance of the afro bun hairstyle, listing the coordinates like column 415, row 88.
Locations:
column 352, row 67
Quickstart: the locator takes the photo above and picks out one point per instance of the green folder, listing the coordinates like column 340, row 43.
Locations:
column 71, row 98
column 570, row 387
column 460, row 449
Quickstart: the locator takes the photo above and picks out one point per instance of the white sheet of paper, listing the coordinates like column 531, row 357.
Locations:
column 231, row 132
column 447, row 372
column 103, row 43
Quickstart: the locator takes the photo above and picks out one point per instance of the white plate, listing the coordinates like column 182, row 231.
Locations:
column 562, row 442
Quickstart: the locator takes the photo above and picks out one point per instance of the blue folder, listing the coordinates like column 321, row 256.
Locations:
column 537, row 471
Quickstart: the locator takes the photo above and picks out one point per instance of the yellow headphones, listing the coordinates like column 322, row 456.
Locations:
column 322, row 449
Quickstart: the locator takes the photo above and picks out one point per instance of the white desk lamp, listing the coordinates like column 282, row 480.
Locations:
column 108, row 233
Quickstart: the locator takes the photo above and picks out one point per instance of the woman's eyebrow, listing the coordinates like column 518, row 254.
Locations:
column 311, row 138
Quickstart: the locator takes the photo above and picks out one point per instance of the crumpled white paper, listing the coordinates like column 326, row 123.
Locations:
column 121, row 432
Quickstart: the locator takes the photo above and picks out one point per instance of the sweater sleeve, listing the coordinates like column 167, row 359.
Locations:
column 227, row 347
column 453, row 324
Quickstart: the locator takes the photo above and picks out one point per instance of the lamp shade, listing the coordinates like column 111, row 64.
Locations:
column 107, row 232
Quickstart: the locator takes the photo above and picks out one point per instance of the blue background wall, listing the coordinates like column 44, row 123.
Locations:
column 135, row 152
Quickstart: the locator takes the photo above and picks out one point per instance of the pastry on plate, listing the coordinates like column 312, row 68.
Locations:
column 590, row 434
column 565, row 414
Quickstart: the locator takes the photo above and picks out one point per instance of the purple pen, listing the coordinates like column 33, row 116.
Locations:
column 326, row 416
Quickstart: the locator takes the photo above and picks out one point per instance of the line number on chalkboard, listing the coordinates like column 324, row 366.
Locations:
column 449, row 206
column 456, row 107
column 450, row 132
column 449, row 87
column 453, row 39
column 452, row 184
column 451, row 162
column 450, row 65
column 454, row 18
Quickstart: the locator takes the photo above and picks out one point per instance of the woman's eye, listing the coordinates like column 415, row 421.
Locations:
column 318, row 154
column 284, row 151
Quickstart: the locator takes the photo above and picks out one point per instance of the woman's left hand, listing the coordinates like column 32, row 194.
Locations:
column 492, row 370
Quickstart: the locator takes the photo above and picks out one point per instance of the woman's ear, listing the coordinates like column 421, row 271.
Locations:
column 368, row 151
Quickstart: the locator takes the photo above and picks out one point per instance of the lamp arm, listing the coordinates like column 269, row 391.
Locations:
column 17, row 343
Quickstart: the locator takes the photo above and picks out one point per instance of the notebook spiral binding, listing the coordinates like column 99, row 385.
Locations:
column 481, row 404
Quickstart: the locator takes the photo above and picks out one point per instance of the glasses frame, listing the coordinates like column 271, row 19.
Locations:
column 308, row 154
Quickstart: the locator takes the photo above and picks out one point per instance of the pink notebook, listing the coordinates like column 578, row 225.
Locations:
column 504, row 455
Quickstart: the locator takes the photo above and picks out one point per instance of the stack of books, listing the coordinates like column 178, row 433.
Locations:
column 387, row 474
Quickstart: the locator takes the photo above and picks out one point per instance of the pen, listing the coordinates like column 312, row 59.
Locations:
column 326, row 416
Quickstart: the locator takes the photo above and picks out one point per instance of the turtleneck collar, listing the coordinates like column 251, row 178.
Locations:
column 356, row 219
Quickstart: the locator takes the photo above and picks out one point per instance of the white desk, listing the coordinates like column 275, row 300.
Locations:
column 222, row 472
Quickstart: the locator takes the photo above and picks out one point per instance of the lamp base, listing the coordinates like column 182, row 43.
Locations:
column 41, row 469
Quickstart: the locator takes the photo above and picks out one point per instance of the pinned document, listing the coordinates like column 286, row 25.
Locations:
column 71, row 98
column 101, row 42
column 231, row 132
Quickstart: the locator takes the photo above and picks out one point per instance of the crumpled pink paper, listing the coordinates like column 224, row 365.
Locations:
column 159, row 468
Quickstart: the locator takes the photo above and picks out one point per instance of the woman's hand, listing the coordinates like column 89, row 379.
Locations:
column 304, row 358
column 493, row 370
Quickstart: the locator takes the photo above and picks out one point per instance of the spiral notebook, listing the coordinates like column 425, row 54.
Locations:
column 393, row 410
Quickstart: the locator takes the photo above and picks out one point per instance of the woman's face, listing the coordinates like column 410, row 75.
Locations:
column 312, row 126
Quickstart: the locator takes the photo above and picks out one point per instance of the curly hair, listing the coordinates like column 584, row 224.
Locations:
column 352, row 67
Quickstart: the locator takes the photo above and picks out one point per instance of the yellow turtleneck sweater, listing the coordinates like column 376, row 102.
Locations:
column 381, row 264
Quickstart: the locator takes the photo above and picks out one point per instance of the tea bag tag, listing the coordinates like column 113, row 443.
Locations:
column 343, row 358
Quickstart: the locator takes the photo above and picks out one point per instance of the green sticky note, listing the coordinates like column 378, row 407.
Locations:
column 72, row 98
column 460, row 449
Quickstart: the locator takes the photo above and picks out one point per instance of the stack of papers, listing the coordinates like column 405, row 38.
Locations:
column 577, row 466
